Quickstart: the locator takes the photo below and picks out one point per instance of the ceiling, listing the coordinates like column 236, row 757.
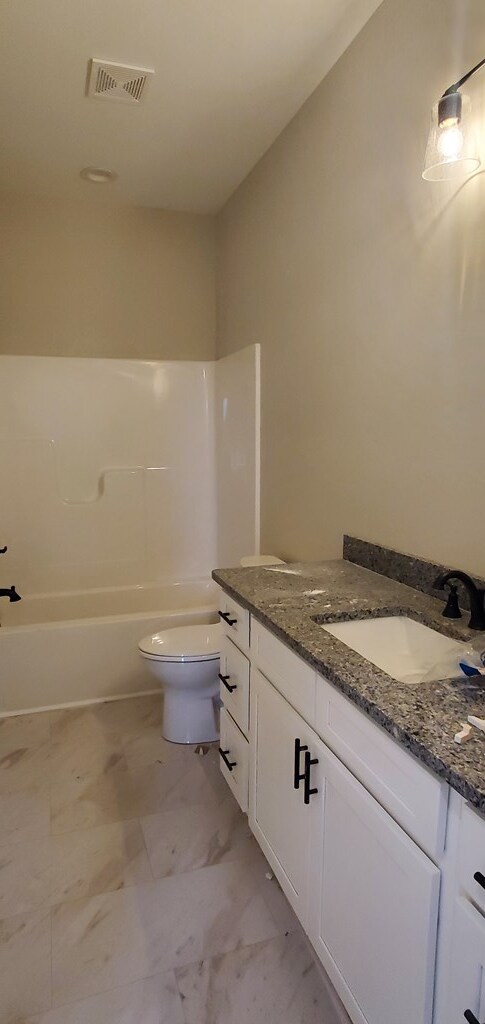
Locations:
column 230, row 74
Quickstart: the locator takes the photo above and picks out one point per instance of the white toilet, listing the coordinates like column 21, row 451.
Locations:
column 185, row 660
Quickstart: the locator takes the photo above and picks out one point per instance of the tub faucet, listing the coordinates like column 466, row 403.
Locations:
column 476, row 595
column 11, row 593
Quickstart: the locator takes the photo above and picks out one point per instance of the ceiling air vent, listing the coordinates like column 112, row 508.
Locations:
column 109, row 81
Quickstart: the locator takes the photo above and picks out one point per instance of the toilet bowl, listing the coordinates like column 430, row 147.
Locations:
column 185, row 660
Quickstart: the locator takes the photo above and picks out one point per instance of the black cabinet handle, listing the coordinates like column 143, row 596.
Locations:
column 227, row 618
column 309, row 760
column 470, row 1017
column 480, row 878
column 297, row 775
column 228, row 764
column 226, row 684
column 3, row 551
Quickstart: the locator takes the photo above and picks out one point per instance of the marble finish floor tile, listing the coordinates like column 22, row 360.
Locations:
column 98, row 860
column 25, row 966
column 128, row 717
column 73, row 866
column 81, row 746
column 193, row 837
column 146, row 747
column 131, row 888
column 24, row 755
column 99, row 943
column 23, row 731
column 22, row 767
column 83, row 802
column 273, row 982
column 24, row 816
column 24, row 878
column 154, row 1000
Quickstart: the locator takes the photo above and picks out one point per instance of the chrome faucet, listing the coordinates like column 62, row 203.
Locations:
column 475, row 594
column 11, row 593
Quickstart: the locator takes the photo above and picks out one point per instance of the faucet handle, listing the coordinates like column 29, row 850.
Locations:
column 4, row 550
column 452, row 608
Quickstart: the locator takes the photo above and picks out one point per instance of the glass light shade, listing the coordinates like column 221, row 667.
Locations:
column 452, row 150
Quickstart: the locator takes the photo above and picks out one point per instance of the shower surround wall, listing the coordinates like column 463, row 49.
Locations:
column 107, row 472
column 110, row 510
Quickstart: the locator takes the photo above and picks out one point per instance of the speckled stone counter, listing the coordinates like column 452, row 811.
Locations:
column 424, row 717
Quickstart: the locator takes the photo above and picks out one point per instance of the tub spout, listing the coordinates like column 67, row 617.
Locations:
column 11, row 593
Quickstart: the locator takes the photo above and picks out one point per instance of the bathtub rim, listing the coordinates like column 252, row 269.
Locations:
column 206, row 602
column 107, row 619
column 168, row 584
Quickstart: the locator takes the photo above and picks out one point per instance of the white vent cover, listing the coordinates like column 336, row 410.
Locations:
column 109, row 81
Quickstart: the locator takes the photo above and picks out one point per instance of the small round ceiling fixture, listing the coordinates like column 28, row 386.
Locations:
column 98, row 175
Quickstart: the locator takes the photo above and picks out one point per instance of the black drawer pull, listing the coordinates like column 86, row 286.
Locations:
column 227, row 618
column 228, row 764
column 226, row 684
column 3, row 551
column 480, row 879
column 297, row 775
column 309, row 761
column 470, row 1017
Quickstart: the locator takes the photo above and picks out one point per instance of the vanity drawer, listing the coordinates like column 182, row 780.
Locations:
column 234, row 620
column 414, row 796
column 234, row 759
column 471, row 855
column 234, row 690
column 294, row 679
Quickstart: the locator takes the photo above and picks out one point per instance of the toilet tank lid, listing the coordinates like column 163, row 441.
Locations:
column 184, row 643
column 249, row 560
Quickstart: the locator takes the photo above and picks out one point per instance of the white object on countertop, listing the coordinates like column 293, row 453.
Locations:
column 464, row 734
column 253, row 560
column 479, row 723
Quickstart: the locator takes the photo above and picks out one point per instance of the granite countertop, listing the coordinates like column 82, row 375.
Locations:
column 424, row 717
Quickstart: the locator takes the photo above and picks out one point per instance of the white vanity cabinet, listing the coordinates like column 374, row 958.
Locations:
column 234, row 680
column 383, row 867
column 374, row 906
column 364, row 892
column 234, row 620
column 281, row 745
column 461, row 978
column 465, row 981
column 234, row 695
column 234, row 758
column 471, row 856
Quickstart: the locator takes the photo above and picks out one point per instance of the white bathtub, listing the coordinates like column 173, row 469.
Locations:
column 71, row 648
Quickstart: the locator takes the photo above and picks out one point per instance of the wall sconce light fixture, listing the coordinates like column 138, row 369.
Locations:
column 452, row 150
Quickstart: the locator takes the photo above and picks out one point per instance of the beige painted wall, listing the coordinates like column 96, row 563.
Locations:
column 366, row 288
column 95, row 280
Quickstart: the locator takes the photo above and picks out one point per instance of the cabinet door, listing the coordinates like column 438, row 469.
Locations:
column 234, row 758
column 466, row 975
column 374, row 916
column 234, row 689
column 278, row 815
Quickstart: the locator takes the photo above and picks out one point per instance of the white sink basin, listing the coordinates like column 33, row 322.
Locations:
column 407, row 650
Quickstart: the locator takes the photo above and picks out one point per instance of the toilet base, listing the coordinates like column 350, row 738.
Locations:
column 188, row 719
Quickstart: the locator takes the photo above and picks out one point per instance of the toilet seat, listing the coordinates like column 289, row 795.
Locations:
column 183, row 644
